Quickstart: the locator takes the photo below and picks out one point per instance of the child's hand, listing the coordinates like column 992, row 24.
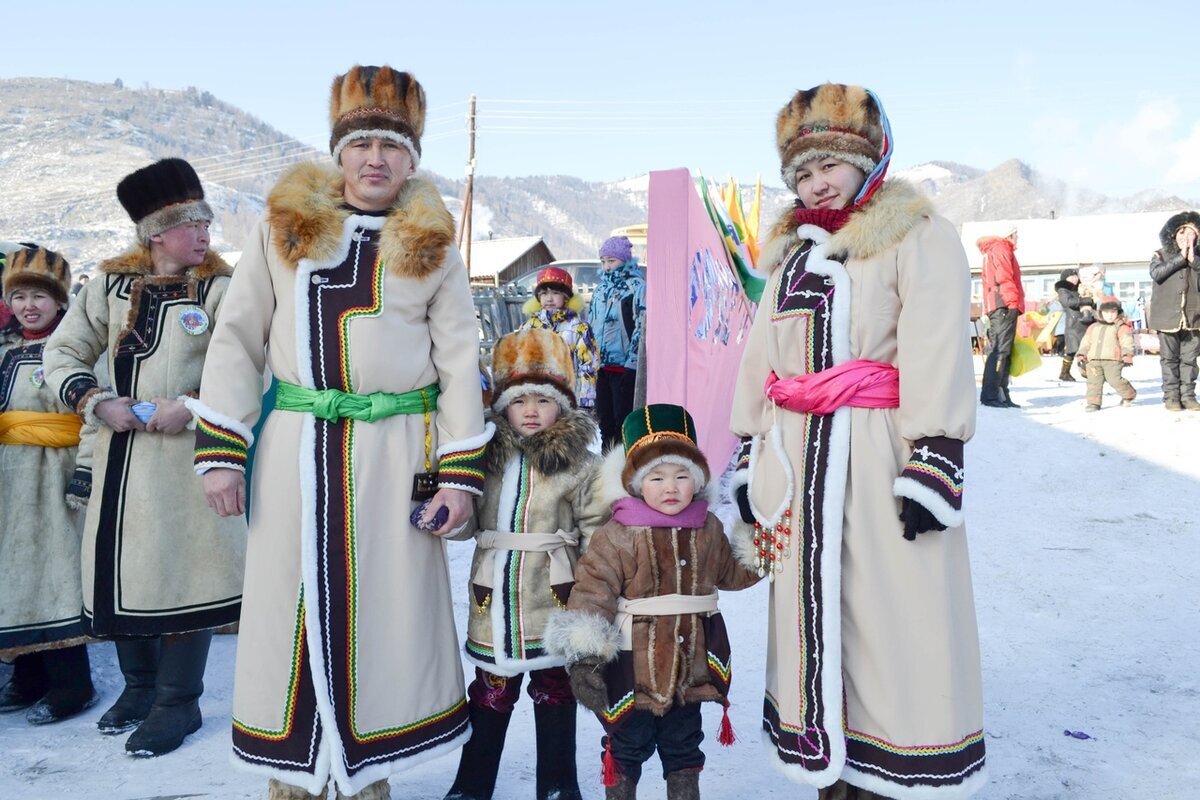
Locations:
column 587, row 683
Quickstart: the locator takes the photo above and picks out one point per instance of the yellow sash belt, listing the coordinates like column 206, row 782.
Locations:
column 39, row 428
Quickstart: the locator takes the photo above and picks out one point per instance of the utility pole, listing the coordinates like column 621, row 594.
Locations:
column 464, row 230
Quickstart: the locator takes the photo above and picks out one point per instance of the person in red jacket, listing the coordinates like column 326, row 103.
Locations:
column 1003, row 302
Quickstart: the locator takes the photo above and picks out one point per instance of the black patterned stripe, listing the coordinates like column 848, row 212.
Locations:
column 936, row 464
column 76, row 388
column 923, row 765
column 14, row 359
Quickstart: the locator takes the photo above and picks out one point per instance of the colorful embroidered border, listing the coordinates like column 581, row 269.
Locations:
column 289, row 705
column 217, row 445
column 462, row 470
column 359, row 312
column 936, row 463
column 720, row 670
column 613, row 714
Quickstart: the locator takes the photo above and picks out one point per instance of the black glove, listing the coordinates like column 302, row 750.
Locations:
column 742, row 495
column 917, row 519
column 587, row 683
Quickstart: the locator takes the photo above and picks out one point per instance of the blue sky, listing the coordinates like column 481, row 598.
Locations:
column 1091, row 93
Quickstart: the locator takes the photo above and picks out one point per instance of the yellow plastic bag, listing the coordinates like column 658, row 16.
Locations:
column 1025, row 356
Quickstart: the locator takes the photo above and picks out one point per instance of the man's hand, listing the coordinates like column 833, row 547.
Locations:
column 225, row 490
column 457, row 502
column 170, row 416
column 116, row 413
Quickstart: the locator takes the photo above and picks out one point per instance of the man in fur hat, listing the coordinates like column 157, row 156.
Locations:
column 1175, row 309
column 160, row 573
column 1003, row 302
column 352, row 293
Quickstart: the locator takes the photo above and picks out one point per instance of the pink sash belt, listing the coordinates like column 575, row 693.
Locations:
column 860, row 383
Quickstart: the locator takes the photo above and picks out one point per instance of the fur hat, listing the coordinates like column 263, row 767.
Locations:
column 1067, row 273
column 832, row 119
column 532, row 361
column 162, row 196
column 617, row 247
column 1177, row 221
column 1110, row 303
column 370, row 102
column 660, row 433
column 38, row 268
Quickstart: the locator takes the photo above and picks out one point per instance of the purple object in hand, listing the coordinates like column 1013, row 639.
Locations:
column 439, row 518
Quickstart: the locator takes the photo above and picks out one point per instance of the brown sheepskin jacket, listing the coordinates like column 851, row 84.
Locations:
column 676, row 659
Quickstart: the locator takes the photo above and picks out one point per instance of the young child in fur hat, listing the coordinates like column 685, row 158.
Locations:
column 555, row 307
column 618, row 314
column 542, row 500
column 1107, row 348
column 40, row 585
column 643, row 639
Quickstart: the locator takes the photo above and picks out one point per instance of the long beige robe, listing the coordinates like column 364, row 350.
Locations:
column 348, row 662
column 859, row 614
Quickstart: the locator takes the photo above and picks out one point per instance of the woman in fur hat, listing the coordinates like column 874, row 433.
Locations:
column 352, row 293
column 1175, row 309
column 555, row 307
column 854, row 398
column 642, row 636
column 540, row 505
column 159, row 572
column 40, row 596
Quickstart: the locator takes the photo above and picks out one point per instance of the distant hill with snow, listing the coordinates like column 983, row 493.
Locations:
column 65, row 144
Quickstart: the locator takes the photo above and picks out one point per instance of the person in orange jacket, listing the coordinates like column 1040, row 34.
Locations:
column 1003, row 302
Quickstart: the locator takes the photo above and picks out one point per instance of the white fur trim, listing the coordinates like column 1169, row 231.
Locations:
column 739, row 478
column 379, row 133
column 579, row 634
column 89, row 408
column 741, row 541
column 489, row 429
column 173, row 216
column 202, row 469
column 775, row 437
column 200, row 410
column 959, row 791
column 788, row 170
column 937, row 505
column 544, row 389
column 635, row 483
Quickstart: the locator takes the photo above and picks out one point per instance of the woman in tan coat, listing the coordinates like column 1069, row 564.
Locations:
column 854, row 398
column 159, row 571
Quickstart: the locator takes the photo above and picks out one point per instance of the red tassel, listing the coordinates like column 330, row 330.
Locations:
column 726, row 736
column 609, row 773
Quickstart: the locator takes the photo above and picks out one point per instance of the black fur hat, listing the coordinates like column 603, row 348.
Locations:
column 162, row 196
column 1177, row 221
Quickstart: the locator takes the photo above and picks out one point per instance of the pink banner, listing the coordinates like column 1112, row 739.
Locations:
column 697, row 316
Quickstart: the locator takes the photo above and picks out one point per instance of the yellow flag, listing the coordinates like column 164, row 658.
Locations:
column 755, row 212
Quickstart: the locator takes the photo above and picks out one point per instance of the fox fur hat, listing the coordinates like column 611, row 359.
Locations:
column 370, row 102
column 660, row 433
column 162, row 196
column 832, row 119
column 532, row 361
column 38, row 268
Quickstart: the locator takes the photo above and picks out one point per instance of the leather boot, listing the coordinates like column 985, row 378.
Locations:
column 138, row 659
column 480, row 760
column 556, row 775
column 278, row 790
column 29, row 682
column 624, row 790
column 1064, row 374
column 379, row 790
column 71, row 691
column 683, row 784
column 176, row 709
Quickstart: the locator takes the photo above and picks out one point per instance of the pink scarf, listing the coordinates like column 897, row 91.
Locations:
column 634, row 512
column 860, row 383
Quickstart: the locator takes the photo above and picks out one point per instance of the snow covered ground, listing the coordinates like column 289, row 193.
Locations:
column 1086, row 553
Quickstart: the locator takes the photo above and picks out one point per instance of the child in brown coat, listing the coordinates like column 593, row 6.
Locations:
column 643, row 639
column 1106, row 348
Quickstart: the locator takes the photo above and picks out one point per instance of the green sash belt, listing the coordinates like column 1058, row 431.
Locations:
column 331, row 404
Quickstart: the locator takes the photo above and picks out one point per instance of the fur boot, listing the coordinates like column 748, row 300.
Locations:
column 625, row 789
column 556, row 774
column 1064, row 374
column 683, row 784
column 379, row 790
column 844, row 791
column 278, row 790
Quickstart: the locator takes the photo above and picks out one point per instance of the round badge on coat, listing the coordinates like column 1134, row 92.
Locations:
column 38, row 377
column 194, row 321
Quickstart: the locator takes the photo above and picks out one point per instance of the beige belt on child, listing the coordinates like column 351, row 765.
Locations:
column 553, row 544
column 659, row 606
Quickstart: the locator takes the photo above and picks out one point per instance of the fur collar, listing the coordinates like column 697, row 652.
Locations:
column 1167, row 234
column 1070, row 287
column 307, row 218
column 881, row 224
column 560, row 447
column 136, row 261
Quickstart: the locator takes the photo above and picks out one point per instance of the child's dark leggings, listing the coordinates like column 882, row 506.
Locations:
column 676, row 735
column 551, row 686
